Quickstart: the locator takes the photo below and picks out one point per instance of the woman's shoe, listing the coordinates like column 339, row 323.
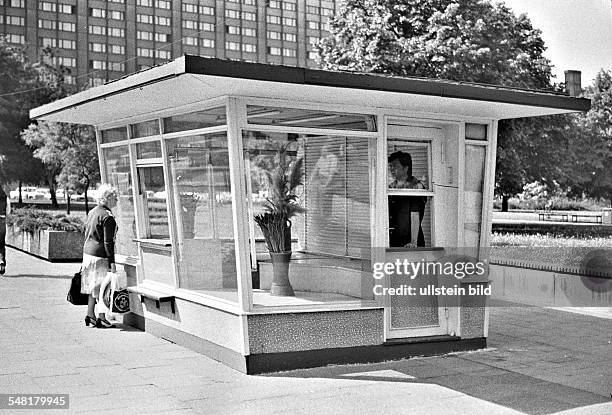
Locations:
column 103, row 323
column 90, row 320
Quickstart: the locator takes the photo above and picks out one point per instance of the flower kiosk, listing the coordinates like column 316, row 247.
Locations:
column 200, row 147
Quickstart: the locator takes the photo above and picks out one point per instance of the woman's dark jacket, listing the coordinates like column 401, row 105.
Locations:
column 100, row 234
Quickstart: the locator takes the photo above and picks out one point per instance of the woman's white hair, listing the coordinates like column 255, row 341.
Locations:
column 104, row 192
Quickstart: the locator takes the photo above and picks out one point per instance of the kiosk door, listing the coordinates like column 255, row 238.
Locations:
column 416, row 309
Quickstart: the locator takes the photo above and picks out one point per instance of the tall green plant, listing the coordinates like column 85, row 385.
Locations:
column 282, row 201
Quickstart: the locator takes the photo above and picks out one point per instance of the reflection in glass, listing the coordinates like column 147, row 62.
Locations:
column 475, row 131
column 113, row 135
column 200, row 174
column 310, row 118
column 201, row 119
column 150, row 150
column 117, row 166
column 474, row 178
column 331, row 239
column 145, row 129
column 153, row 196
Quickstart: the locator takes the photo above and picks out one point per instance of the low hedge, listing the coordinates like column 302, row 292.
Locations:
column 566, row 230
column 32, row 220
column 579, row 255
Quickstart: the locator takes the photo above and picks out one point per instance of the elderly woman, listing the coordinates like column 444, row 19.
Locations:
column 99, row 252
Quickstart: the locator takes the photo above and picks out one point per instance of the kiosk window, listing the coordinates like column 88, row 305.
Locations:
column 117, row 162
column 408, row 196
column 199, row 181
column 113, row 135
column 153, row 196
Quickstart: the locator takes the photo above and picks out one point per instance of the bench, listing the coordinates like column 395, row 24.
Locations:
column 552, row 216
column 598, row 218
column 156, row 296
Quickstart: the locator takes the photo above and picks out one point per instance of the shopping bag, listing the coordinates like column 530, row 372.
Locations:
column 114, row 295
column 119, row 281
column 120, row 301
column 74, row 294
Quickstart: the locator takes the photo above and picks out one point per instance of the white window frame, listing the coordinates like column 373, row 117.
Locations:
column 116, row 32
column 66, row 8
column 117, row 49
column 67, row 44
column 47, row 6
column 207, row 43
column 66, row 26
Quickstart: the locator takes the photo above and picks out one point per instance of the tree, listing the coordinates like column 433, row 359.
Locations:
column 536, row 149
column 81, row 168
column 17, row 79
column 68, row 152
column 592, row 164
column 49, row 147
column 23, row 86
column 461, row 40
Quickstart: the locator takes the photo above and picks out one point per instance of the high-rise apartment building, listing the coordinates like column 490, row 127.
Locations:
column 103, row 40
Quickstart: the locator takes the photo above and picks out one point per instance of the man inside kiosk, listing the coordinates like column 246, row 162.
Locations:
column 405, row 212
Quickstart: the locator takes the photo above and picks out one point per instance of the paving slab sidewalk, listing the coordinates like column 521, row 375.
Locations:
column 539, row 361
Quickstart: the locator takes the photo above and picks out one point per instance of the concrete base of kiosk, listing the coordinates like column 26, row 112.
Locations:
column 289, row 341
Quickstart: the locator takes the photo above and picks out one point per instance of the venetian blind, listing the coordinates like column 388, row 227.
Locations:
column 337, row 195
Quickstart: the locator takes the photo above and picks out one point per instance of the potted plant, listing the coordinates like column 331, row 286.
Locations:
column 275, row 223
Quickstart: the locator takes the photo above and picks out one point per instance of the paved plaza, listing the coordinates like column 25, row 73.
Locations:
column 539, row 361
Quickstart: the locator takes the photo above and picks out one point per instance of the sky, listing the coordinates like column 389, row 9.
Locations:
column 577, row 33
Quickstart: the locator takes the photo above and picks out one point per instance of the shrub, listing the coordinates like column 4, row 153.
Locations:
column 31, row 220
column 553, row 253
column 558, row 230
column 553, row 203
column 539, row 240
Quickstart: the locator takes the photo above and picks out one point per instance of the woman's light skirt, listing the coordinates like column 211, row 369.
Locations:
column 93, row 272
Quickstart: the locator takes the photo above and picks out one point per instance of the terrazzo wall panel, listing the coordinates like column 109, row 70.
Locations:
column 472, row 313
column 273, row 333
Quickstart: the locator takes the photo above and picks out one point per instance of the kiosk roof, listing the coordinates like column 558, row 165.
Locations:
column 191, row 79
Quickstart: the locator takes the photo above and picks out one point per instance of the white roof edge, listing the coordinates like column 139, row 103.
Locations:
column 169, row 69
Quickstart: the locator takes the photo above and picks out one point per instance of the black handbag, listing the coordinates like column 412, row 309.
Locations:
column 74, row 294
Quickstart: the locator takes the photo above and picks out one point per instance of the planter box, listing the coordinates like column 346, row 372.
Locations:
column 51, row 245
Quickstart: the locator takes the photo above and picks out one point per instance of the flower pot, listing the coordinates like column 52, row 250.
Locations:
column 280, row 268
